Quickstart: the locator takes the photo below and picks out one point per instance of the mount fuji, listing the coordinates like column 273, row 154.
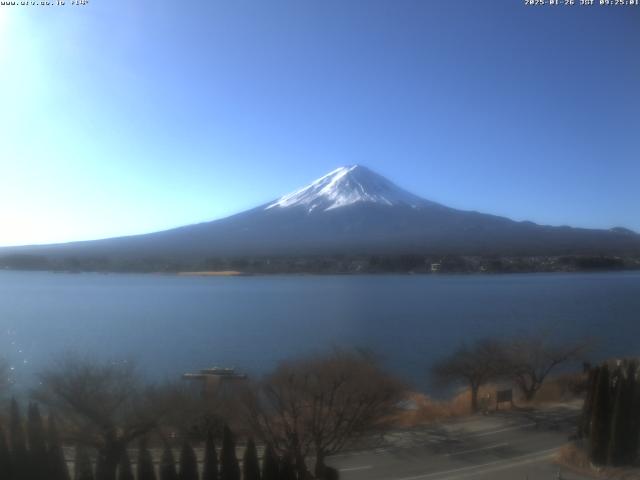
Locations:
column 352, row 211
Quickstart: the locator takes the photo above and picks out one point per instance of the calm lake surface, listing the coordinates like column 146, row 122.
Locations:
column 172, row 324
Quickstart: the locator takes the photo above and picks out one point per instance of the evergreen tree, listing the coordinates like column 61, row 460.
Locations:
column 188, row 462
column 84, row 469
column 601, row 418
column 587, row 407
column 229, row 468
column 250, row 465
column 56, row 461
column 145, row 469
column 621, row 409
column 101, row 466
column 37, row 444
column 624, row 447
column 270, row 469
column 614, row 431
column 210, row 468
column 287, row 471
column 168, row 465
column 19, row 453
column 125, row 472
column 5, row 457
column 634, row 417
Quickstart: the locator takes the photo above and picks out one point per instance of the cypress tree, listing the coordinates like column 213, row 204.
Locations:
column 229, row 468
column 587, row 407
column 145, row 469
column 84, row 469
column 619, row 439
column 188, row 462
column 5, row 457
column 168, row 465
column 125, row 472
column 625, row 420
column 37, row 444
column 19, row 453
column 250, row 465
column 270, row 469
column 601, row 419
column 101, row 472
column 210, row 468
column 287, row 472
column 634, row 417
column 55, row 455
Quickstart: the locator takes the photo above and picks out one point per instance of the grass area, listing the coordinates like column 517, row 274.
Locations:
column 564, row 388
column 427, row 410
column 560, row 388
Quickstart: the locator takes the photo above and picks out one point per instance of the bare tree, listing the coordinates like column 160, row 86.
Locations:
column 194, row 413
column 317, row 406
column 473, row 365
column 101, row 405
column 186, row 409
column 531, row 358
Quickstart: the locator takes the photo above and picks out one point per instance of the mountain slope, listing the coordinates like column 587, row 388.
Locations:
column 352, row 210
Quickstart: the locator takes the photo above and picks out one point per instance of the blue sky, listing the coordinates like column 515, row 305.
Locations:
column 124, row 117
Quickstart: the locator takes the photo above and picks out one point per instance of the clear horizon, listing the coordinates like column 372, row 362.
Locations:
column 119, row 118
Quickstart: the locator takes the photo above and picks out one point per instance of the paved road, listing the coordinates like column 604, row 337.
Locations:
column 510, row 445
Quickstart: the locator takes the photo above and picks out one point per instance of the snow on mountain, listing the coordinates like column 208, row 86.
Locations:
column 346, row 186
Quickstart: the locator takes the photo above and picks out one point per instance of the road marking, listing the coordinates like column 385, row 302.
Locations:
column 493, row 432
column 437, row 436
column 498, row 464
column 353, row 469
column 501, row 467
column 374, row 451
column 489, row 447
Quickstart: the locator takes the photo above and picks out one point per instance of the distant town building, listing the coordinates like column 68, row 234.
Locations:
column 435, row 267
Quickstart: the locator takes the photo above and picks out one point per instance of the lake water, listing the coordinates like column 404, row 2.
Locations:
column 172, row 324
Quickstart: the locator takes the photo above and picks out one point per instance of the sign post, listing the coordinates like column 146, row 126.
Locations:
column 504, row 396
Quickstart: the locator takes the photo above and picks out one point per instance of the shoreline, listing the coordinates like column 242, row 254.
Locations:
column 211, row 273
column 237, row 273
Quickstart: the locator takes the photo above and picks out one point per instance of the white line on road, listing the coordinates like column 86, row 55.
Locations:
column 469, row 435
column 489, row 447
column 353, row 469
column 354, row 453
column 493, row 432
column 501, row 467
column 498, row 465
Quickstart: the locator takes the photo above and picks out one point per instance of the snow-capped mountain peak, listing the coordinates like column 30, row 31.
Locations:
column 346, row 186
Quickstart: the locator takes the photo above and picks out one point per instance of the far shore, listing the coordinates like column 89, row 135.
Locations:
column 211, row 273
column 236, row 273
